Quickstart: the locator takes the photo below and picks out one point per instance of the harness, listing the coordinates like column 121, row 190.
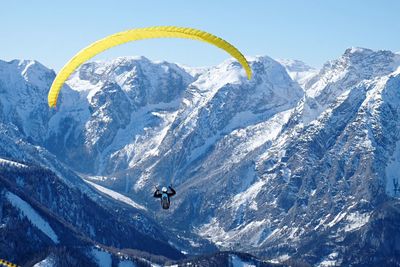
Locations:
column 165, row 201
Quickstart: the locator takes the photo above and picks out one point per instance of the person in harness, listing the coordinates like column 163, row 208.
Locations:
column 165, row 196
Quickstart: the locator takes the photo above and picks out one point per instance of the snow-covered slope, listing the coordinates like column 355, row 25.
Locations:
column 23, row 87
column 115, row 110
column 27, row 211
column 324, row 177
column 298, row 70
column 116, row 195
column 40, row 213
column 293, row 164
column 41, row 210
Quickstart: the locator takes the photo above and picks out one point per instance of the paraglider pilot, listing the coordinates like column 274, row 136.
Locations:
column 164, row 195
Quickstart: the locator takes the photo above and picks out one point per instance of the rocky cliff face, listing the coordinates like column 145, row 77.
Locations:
column 46, row 210
column 296, row 163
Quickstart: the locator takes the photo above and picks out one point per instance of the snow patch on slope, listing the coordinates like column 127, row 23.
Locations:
column 32, row 216
column 252, row 232
column 146, row 139
column 248, row 196
column 116, row 195
column 257, row 135
column 356, row 220
column 102, row 258
column 47, row 262
column 237, row 262
column 330, row 260
column 11, row 163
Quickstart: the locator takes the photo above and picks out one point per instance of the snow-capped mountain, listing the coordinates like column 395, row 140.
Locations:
column 46, row 210
column 108, row 105
column 295, row 164
column 298, row 70
column 23, row 84
column 151, row 98
column 326, row 171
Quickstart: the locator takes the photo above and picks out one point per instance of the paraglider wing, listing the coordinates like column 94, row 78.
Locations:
column 134, row 35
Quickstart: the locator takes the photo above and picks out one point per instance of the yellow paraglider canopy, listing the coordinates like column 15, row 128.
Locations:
column 139, row 34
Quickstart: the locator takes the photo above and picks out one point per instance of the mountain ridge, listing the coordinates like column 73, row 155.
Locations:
column 295, row 156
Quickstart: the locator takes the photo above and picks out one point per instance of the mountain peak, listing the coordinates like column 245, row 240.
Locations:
column 359, row 50
column 269, row 154
column 365, row 58
column 32, row 71
column 354, row 65
column 294, row 65
column 25, row 64
column 298, row 70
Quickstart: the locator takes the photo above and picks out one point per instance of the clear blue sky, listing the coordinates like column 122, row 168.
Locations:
column 312, row 31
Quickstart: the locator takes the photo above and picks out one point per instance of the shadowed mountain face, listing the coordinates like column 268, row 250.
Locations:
column 41, row 215
column 296, row 163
